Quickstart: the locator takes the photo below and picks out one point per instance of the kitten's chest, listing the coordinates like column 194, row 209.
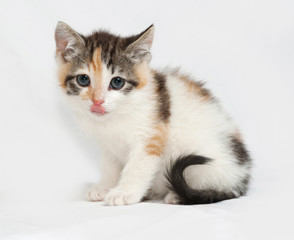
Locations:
column 117, row 138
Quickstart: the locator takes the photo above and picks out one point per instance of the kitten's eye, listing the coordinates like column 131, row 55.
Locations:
column 117, row 83
column 83, row 80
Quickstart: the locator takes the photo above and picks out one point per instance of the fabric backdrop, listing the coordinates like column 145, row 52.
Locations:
column 243, row 49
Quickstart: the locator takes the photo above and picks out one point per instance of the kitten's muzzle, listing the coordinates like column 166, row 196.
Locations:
column 97, row 107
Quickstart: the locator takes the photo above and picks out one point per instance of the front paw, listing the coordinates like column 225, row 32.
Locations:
column 96, row 194
column 118, row 197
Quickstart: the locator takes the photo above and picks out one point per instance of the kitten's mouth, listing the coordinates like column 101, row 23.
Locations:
column 98, row 108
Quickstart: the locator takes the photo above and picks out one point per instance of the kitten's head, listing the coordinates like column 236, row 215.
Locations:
column 101, row 70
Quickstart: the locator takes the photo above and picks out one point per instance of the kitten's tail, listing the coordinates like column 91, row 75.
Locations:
column 177, row 183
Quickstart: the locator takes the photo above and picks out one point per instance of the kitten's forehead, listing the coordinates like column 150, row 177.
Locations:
column 111, row 49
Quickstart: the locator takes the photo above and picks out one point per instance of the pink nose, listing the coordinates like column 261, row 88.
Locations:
column 98, row 102
column 97, row 106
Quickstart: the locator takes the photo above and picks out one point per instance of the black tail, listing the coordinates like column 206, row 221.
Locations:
column 188, row 195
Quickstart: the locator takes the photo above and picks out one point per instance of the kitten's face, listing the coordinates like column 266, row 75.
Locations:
column 101, row 71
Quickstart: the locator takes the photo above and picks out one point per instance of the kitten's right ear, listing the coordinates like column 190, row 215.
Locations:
column 139, row 48
column 68, row 42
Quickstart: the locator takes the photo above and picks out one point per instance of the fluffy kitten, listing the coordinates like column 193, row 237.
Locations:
column 162, row 135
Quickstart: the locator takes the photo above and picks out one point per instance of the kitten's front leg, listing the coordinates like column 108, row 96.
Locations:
column 135, row 180
column 110, row 171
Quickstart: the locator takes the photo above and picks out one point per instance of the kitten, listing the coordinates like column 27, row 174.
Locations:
column 162, row 134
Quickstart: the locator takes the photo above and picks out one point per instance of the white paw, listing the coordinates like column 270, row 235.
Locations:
column 118, row 198
column 96, row 194
column 171, row 198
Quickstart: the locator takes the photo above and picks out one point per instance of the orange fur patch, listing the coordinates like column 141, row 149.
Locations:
column 97, row 67
column 87, row 94
column 62, row 73
column 156, row 143
column 196, row 88
column 143, row 73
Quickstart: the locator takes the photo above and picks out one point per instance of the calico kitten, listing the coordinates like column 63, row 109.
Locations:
column 162, row 134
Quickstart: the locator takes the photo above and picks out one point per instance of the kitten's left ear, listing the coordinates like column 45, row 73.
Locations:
column 68, row 42
column 139, row 48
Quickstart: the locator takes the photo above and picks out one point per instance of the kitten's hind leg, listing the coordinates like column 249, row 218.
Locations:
column 171, row 198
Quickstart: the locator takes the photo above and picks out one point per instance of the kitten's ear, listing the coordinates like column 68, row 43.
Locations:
column 139, row 49
column 68, row 42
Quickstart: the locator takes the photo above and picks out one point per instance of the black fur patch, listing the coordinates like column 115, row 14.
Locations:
column 72, row 88
column 177, row 183
column 113, row 50
column 163, row 96
column 240, row 151
column 131, row 85
column 127, row 89
column 68, row 78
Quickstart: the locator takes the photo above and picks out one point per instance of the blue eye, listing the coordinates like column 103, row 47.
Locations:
column 83, row 80
column 117, row 83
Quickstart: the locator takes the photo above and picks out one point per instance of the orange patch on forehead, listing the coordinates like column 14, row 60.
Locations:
column 97, row 68
column 96, row 60
column 143, row 74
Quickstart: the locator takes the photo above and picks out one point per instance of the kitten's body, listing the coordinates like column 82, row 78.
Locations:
column 154, row 125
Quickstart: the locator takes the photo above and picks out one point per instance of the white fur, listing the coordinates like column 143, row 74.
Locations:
column 195, row 127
